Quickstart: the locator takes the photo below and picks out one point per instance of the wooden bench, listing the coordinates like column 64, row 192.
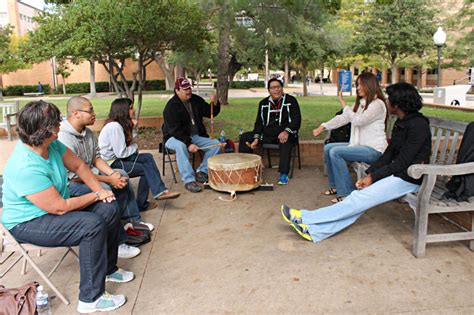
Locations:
column 429, row 199
column 9, row 112
column 33, row 94
column 446, row 141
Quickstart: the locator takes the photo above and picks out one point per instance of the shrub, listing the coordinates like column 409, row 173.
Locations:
column 18, row 90
column 247, row 84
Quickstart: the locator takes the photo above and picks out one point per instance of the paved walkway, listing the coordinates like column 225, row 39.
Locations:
column 211, row 256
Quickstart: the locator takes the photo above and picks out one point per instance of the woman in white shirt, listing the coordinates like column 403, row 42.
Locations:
column 118, row 148
column 368, row 140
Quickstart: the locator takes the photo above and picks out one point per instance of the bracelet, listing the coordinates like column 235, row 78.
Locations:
column 96, row 195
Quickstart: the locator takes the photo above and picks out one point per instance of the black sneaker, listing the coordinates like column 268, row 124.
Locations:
column 201, row 177
column 193, row 187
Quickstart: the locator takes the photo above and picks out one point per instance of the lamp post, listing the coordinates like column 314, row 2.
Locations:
column 439, row 39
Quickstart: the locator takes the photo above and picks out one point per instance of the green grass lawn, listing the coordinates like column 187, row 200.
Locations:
column 241, row 113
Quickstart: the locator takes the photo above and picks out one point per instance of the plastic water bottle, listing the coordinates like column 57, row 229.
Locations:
column 222, row 138
column 241, row 131
column 42, row 301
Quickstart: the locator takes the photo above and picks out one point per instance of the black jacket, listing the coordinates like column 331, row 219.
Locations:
column 290, row 117
column 177, row 122
column 410, row 144
column 461, row 187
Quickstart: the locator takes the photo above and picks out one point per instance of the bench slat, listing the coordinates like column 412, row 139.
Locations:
column 452, row 150
column 446, row 237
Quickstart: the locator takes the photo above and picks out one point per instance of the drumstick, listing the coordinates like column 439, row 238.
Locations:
column 212, row 118
column 213, row 146
column 248, row 144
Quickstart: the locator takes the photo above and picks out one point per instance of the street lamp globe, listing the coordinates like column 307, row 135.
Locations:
column 439, row 37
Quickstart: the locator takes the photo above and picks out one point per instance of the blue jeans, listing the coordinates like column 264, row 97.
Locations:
column 150, row 179
column 125, row 198
column 94, row 229
column 182, row 155
column 336, row 156
column 325, row 222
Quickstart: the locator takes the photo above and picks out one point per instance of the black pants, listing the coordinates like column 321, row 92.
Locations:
column 285, row 148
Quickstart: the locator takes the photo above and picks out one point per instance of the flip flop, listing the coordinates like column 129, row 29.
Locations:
column 330, row 191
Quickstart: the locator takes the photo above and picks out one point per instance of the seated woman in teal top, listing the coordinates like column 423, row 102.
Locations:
column 39, row 210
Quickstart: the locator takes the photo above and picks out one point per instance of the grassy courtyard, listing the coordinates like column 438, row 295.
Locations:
column 241, row 113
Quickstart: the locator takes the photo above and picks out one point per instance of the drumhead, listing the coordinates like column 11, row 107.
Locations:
column 233, row 161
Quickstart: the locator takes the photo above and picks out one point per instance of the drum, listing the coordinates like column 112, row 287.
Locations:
column 235, row 172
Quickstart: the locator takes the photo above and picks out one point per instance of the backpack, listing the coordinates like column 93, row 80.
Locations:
column 137, row 234
column 341, row 134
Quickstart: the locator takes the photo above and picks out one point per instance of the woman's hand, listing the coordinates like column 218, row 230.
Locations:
column 318, row 131
column 364, row 182
column 341, row 100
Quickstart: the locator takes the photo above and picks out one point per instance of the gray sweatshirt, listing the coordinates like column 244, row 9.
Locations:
column 84, row 144
column 112, row 143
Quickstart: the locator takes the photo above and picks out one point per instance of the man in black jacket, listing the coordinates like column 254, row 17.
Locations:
column 184, row 131
column 278, row 121
column 387, row 177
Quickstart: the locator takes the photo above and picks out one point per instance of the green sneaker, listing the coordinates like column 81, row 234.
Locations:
column 120, row 276
column 105, row 303
column 302, row 230
column 291, row 215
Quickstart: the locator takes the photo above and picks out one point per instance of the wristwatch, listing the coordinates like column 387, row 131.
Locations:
column 96, row 195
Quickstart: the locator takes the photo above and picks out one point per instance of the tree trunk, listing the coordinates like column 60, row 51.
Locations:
column 321, row 77
column 63, row 83
column 92, row 78
column 141, row 85
column 303, row 77
column 223, row 62
column 168, row 70
column 287, row 72
column 394, row 69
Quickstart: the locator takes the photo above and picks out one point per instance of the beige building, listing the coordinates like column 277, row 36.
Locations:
column 19, row 15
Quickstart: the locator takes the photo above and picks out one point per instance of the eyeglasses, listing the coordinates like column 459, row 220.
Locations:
column 90, row 111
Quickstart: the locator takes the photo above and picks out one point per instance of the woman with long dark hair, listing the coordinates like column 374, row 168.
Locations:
column 368, row 140
column 118, row 148
column 387, row 177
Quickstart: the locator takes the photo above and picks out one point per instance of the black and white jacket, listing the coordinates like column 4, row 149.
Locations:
column 275, row 117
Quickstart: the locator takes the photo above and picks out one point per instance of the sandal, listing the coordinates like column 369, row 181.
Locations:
column 330, row 191
column 338, row 199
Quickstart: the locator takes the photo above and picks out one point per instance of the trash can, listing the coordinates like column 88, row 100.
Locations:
column 451, row 95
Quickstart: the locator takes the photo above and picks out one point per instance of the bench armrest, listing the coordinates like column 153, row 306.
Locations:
column 417, row 170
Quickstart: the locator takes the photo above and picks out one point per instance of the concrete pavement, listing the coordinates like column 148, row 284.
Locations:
column 211, row 256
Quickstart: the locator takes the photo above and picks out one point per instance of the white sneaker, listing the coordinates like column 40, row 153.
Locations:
column 126, row 251
column 150, row 226
column 105, row 303
column 120, row 276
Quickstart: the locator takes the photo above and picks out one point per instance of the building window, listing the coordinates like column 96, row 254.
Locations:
column 432, row 71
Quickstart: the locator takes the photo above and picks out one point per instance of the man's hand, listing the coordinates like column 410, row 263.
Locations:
column 106, row 195
column 212, row 99
column 254, row 144
column 318, row 131
column 193, row 148
column 341, row 99
column 118, row 181
column 283, row 136
column 364, row 182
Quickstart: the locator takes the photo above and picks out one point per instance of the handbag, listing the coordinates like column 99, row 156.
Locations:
column 18, row 301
